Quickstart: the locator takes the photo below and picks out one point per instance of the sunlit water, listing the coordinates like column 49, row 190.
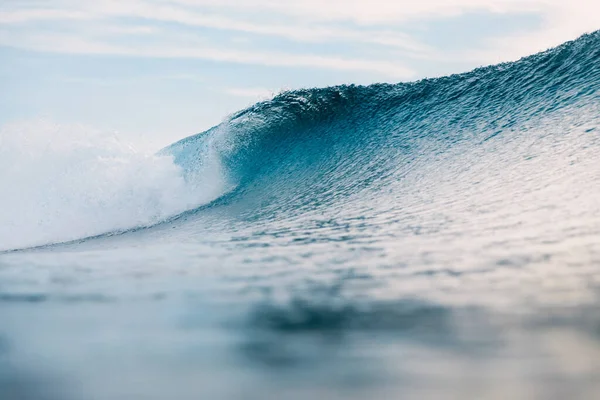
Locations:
column 421, row 241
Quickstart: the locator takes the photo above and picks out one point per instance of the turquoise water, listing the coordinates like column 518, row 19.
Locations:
column 437, row 239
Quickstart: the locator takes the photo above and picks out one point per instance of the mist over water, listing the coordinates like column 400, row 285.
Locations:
column 437, row 239
column 63, row 183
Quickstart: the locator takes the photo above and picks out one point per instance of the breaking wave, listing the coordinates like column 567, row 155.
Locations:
column 345, row 149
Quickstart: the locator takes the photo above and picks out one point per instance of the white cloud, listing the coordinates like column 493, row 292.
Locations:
column 387, row 11
column 28, row 15
column 112, row 81
column 70, row 44
column 374, row 22
column 202, row 18
column 563, row 21
column 254, row 93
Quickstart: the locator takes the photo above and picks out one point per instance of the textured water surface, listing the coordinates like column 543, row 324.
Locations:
column 438, row 239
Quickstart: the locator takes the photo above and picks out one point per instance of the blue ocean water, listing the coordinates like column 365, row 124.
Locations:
column 427, row 240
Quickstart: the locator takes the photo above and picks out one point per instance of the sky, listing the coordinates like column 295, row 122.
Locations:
column 154, row 71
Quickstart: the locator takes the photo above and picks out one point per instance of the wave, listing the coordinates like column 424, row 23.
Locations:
column 308, row 148
column 62, row 183
column 311, row 150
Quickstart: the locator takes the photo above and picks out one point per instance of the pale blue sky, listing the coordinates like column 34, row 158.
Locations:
column 156, row 71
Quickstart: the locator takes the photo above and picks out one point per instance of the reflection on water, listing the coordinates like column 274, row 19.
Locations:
column 185, row 334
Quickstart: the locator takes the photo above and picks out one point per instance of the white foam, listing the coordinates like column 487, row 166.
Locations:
column 61, row 183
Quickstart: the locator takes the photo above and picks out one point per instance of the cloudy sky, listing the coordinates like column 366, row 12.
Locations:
column 157, row 70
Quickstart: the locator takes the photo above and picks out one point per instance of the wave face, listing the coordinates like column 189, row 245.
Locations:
column 317, row 148
column 436, row 239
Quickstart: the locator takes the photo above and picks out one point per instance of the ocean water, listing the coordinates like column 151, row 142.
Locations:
column 427, row 240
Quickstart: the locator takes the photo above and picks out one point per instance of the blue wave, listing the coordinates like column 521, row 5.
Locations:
column 319, row 150
column 316, row 146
